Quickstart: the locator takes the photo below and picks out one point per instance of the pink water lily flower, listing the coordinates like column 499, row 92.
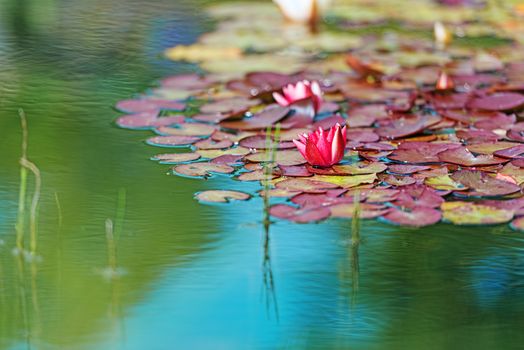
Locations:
column 301, row 91
column 323, row 148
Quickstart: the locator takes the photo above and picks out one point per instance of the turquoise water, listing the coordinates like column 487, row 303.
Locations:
column 192, row 276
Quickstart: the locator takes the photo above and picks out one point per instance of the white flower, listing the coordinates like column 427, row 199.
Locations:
column 302, row 10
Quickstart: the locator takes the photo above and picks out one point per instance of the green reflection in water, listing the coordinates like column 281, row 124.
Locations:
column 190, row 270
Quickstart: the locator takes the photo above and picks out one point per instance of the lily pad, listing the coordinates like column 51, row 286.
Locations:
column 173, row 158
column 462, row 156
column 502, row 101
column 417, row 217
column 288, row 212
column 148, row 104
column 468, row 213
column 171, row 141
column 221, row 196
column 202, row 169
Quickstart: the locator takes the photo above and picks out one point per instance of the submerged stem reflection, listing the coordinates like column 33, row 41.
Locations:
column 355, row 243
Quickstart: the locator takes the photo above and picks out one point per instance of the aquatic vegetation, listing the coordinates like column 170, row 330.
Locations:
column 25, row 166
column 304, row 92
column 323, row 148
column 423, row 132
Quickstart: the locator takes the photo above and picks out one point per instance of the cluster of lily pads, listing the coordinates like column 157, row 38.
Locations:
column 433, row 139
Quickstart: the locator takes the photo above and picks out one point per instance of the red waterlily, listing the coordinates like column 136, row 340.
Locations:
column 323, row 148
column 303, row 90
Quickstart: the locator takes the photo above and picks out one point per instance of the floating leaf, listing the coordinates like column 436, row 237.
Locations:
column 171, row 141
column 406, row 168
column 148, row 104
column 295, row 171
column 221, row 196
column 481, row 184
column 367, row 211
column 285, row 157
column 347, row 181
column 518, row 224
column 202, row 169
column 498, row 102
column 269, row 116
column 210, row 144
column 462, row 156
column 417, row 217
column 517, row 173
column 444, row 183
column 513, row 152
column 305, row 185
column 468, row 213
column 171, row 158
column 215, row 153
column 187, row 129
column 420, row 152
column 284, row 211
column 257, row 175
column 260, row 142
column 147, row 120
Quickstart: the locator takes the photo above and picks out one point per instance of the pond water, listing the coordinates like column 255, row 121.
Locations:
column 192, row 276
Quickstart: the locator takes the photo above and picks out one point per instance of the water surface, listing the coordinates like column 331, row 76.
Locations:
column 195, row 276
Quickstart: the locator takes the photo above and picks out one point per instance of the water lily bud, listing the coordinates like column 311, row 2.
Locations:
column 444, row 82
column 302, row 11
column 323, row 148
column 442, row 35
column 303, row 91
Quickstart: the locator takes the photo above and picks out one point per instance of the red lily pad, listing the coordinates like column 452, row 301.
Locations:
column 403, row 125
column 233, row 105
column 171, row 158
column 498, row 121
column 305, row 185
column 481, row 184
column 366, row 115
column 462, row 156
column 329, row 122
column 358, row 168
column 448, row 101
column 361, row 135
column 228, row 159
column 518, row 224
column 269, row 116
column 420, row 152
column 516, row 133
column 295, row 171
column 147, row 120
column 477, row 136
column 398, row 180
column 187, row 82
column 367, row 211
column 147, row 105
column 171, row 141
column 187, row 129
column 427, row 199
column 221, row 196
column 417, row 217
column 284, row 157
column 502, row 101
column 379, row 195
column 406, row 169
column 257, row 175
column 202, row 169
column 318, row 200
column 513, row 152
column 260, row 142
column 288, row 212
column 211, row 144
column 468, row 213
